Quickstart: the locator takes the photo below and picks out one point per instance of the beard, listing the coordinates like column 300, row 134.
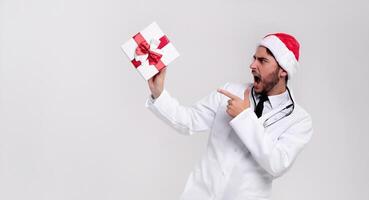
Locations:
column 268, row 82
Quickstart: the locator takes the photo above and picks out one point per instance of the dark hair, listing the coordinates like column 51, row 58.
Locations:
column 271, row 54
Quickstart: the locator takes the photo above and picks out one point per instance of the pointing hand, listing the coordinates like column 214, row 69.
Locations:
column 235, row 104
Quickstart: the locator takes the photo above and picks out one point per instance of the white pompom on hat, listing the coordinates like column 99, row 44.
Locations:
column 285, row 49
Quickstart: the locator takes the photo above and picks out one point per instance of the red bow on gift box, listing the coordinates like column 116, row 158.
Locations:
column 144, row 48
column 149, row 54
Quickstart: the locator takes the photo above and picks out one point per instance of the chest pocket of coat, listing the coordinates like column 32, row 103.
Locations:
column 221, row 122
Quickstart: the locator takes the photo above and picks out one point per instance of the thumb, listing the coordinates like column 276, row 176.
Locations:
column 163, row 71
column 246, row 94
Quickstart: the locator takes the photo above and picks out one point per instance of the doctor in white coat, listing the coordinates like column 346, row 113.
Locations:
column 256, row 130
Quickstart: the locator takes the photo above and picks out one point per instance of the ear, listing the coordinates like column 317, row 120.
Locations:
column 283, row 73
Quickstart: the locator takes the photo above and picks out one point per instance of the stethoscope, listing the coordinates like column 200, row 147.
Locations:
column 281, row 113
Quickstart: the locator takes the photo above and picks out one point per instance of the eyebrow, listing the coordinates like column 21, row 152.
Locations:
column 261, row 58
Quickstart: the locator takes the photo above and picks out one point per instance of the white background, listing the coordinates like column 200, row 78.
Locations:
column 72, row 119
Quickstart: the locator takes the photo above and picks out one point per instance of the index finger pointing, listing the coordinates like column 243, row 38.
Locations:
column 228, row 94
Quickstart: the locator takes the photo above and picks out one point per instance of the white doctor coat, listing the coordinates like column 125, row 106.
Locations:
column 242, row 156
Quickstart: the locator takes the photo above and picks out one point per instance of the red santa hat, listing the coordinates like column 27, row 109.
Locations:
column 285, row 49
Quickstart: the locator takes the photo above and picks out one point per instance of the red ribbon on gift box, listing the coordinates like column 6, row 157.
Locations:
column 144, row 48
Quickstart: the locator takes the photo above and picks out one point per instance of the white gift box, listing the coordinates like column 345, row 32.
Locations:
column 150, row 51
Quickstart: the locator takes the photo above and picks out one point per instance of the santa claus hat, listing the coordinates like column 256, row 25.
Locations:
column 285, row 49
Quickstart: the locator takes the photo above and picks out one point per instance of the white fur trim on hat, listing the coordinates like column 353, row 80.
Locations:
column 285, row 58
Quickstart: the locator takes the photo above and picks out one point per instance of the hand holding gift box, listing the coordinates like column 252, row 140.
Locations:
column 150, row 51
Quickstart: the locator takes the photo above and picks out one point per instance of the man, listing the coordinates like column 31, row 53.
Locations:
column 256, row 130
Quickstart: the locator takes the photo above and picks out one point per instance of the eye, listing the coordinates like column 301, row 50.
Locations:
column 263, row 61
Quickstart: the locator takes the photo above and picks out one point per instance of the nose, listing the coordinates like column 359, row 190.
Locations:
column 253, row 65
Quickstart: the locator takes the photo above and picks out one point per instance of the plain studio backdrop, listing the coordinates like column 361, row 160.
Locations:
column 72, row 119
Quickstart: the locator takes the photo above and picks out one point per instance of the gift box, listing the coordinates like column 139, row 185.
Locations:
column 150, row 51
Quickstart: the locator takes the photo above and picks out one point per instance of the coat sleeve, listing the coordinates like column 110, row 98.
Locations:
column 186, row 119
column 276, row 157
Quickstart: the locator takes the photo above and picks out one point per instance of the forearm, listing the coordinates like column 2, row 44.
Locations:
column 275, row 156
column 186, row 120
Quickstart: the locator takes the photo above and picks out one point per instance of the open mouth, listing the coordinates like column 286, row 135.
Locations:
column 257, row 79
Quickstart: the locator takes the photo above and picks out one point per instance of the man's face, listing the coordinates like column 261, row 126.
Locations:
column 265, row 71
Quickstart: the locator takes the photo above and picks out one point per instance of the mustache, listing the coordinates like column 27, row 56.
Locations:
column 255, row 74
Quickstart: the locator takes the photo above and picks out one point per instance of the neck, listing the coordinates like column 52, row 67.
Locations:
column 279, row 88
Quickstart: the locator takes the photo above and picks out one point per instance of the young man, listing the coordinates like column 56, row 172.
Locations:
column 256, row 130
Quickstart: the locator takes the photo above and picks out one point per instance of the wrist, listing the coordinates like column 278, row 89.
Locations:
column 155, row 95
